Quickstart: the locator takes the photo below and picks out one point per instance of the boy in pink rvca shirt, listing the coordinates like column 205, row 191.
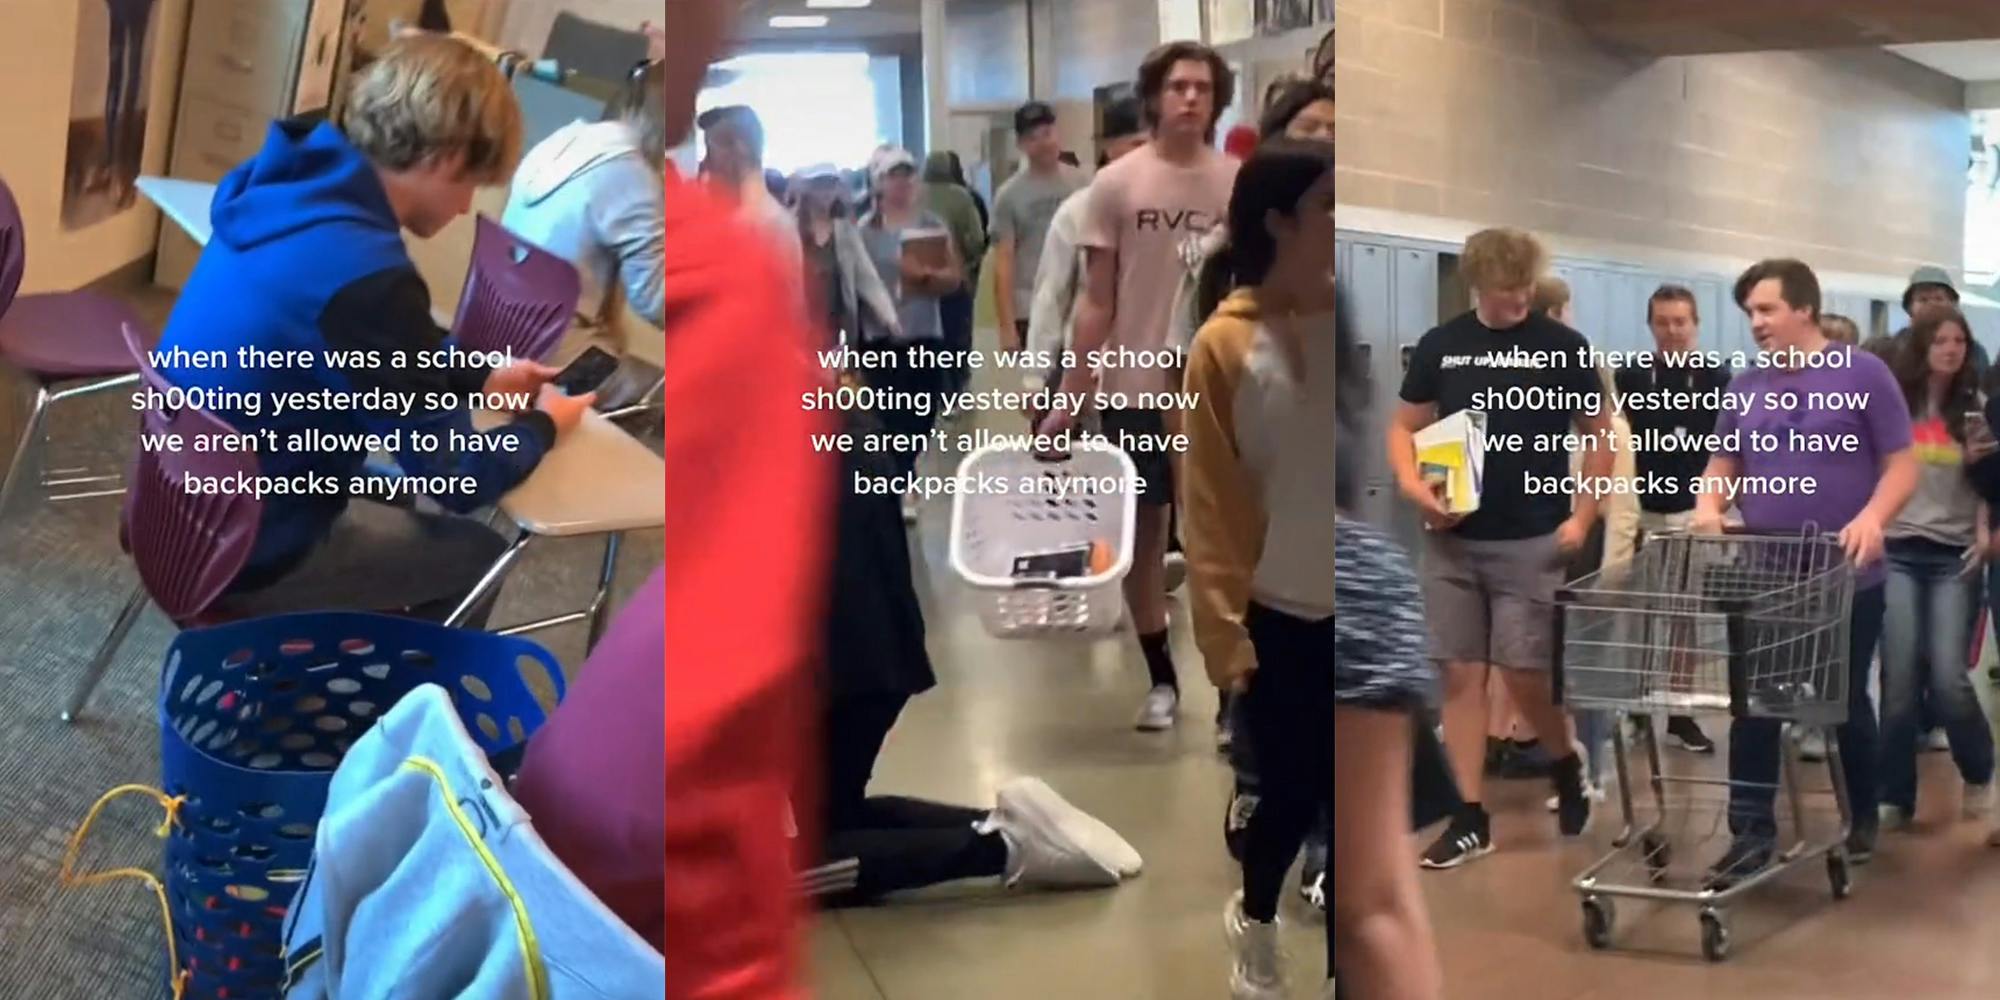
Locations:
column 1147, row 212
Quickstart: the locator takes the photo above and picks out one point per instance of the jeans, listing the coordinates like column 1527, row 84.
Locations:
column 955, row 313
column 1754, row 744
column 1993, row 600
column 1924, row 646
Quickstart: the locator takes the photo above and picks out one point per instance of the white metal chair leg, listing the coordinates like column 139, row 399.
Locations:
column 490, row 581
column 28, row 451
column 100, row 662
column 599, row 602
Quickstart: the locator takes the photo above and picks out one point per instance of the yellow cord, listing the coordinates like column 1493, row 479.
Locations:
column 70, row 879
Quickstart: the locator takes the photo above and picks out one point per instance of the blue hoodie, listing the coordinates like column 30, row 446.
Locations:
column 308, row 256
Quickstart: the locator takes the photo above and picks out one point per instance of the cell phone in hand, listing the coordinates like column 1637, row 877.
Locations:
column 587, row 372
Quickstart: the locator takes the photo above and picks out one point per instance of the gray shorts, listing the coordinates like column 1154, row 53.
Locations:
column 1492, row 601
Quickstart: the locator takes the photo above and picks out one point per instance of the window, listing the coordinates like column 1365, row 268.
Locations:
column 1982, row 201
column 817, row 107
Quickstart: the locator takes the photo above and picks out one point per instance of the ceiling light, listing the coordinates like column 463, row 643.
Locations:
column 837, row 4
column 799, row 21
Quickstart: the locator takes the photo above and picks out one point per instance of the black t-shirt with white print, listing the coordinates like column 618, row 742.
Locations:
column 1529, row 381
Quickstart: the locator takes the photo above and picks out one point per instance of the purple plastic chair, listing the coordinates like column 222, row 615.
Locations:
column 518, row 297
column 70, row 344
column 187, row 547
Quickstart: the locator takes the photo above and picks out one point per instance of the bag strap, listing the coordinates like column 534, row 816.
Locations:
column 70, row 879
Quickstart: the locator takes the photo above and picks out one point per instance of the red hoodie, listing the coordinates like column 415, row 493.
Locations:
column 744, row 564
column 745, row 559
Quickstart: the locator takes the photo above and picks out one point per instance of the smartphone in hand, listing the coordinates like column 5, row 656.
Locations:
column 587, row 372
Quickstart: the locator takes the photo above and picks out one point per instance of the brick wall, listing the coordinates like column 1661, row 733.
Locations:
column 1502, row 111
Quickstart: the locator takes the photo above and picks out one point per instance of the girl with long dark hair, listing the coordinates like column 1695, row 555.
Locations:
column 844, row 292
column 1260, row 536
column 1935, row 548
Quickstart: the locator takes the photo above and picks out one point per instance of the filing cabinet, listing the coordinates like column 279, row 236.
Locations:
column 248, row 62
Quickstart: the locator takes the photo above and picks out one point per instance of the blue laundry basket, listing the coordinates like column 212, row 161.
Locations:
column 255, row 716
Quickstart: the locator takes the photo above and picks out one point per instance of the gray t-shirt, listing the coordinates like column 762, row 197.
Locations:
column 1023, row 211
column 918, row 313
column 1944, row 509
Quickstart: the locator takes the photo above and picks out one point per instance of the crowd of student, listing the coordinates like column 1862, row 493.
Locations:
column 1909, row 499
column 1080, row 262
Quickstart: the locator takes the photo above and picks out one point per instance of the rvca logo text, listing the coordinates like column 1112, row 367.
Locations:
column 1191, row 220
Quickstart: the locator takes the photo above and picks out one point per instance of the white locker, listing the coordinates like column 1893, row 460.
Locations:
column 1416, row 311
column 1858, row 308
column 1371, row 295
column 1628, row 319
column 1590, row 301
column 1736, row 333
column 1711, row 306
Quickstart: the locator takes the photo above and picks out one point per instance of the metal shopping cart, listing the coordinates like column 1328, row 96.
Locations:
column 1752, row 624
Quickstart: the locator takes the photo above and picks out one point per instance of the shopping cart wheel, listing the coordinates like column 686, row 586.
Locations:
column 1657, row 853
column 1714, row 936
column 1837, row 875
column 1598, row 918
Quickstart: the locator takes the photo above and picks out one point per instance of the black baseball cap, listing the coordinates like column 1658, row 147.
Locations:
column 1031, row 116
column 1124, row 117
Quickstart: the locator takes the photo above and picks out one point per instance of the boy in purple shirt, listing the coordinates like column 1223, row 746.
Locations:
column 1858, row 460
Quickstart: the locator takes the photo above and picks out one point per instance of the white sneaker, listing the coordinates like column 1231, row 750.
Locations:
column 1162, row 707
column 1176, row 570
column 1892, row 818
column 1812, row 745
column 1594, row 793
column 1052, row 844
column 1258, row 968
column 1978, row 802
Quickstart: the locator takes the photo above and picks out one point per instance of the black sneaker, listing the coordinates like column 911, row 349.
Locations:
column 1686, row 732
column 1746, row 857
column 1861, row 845
column 1466, row 839
column 1572, row 798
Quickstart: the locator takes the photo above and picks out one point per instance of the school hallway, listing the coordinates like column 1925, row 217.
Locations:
column 1508, row 925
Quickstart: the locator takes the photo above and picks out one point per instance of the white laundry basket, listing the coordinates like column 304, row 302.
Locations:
column 989, row 529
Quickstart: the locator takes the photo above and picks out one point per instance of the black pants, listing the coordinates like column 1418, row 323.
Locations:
column 916, row 387
column 1289, row 707
column 880, row 844
column 955, row 314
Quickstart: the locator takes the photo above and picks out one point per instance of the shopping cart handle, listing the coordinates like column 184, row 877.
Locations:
column 1808, row 530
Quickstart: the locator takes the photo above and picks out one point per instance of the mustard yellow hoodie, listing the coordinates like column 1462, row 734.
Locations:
column 1223, row 520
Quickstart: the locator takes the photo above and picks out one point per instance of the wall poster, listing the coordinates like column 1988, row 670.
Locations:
column 109, row 98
